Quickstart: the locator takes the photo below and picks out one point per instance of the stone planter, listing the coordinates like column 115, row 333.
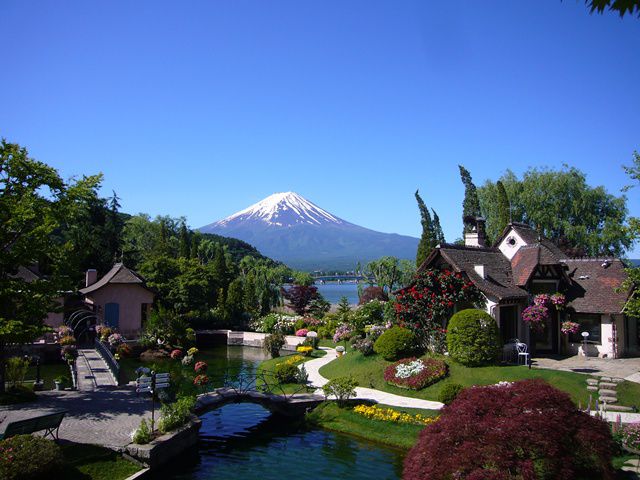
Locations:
column 167, row 446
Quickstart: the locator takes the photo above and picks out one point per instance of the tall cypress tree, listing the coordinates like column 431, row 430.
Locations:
column 504, row 209
column 471, row 204
column 438, row 234
column 426, row 239
column 185, row 249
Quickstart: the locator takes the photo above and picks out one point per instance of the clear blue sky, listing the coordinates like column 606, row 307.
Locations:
column 201, row 108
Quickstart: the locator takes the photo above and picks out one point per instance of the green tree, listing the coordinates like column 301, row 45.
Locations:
column 503, row 215
column 234, row 303
column 437, row 229
column 427, row 241
column 620, row 6
column 470, row 204
column 580, row 219
column 185, row 244
column 251, row 299
column 34, row 201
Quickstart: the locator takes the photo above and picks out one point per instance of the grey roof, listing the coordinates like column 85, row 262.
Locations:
column 594, row 284
column 26, row 274
column 118, row 274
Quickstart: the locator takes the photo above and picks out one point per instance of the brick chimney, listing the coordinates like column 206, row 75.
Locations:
column 91, row 277
column 477, row 236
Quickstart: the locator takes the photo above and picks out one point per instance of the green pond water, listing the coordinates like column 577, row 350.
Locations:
column 244, row 441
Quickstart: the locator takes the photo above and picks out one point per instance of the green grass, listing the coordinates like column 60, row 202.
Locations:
column 48, row 372
column 397, row 435
column 269, row 366
column 96, row 463
column 369, row 371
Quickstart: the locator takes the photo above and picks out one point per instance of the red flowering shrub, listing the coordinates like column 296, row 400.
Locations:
column 176, row 354
column 414, row 373
column 201, row 380
column 373, row 293
column 200, row 367
column 425, row 306
column 525, row 430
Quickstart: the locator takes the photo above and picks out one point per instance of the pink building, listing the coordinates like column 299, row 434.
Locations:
column 120, row 298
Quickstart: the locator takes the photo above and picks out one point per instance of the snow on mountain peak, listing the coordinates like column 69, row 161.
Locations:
column 283, row 209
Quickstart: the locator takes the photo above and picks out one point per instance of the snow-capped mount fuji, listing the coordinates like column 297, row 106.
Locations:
column 290, row 228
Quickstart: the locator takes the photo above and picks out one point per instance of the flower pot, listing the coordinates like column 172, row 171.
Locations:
column 59, row 386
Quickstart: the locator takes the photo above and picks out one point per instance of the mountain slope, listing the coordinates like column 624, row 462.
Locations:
column 289, row 228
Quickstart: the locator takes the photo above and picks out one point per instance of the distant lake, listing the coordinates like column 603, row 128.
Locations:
column 333, row 292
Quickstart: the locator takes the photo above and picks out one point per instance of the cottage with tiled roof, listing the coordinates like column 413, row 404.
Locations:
column 522, row 264
column 120, row 298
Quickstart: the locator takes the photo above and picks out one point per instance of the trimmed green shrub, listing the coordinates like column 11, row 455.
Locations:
column 27, row 457
column 343, row 388
column 16, row 370
column 19, row 394
column 449, row 393
column 273, row 343
column 286, row 372
column 395, row 343
column 473, row 338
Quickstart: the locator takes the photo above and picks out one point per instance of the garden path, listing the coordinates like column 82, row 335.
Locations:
column 93, row 372
column 317, row 380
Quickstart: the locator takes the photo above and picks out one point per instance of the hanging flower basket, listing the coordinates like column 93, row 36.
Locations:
column 570, row 327
column 558, row 300
column 535, row 316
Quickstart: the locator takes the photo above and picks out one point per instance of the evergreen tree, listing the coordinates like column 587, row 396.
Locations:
column 503, row 216
column 220, row 270
column 471, row 204
column 438, row 234
column 250, row 294
column 185, row 246
column 234, row 303
column 426, row 239
column 343, row 306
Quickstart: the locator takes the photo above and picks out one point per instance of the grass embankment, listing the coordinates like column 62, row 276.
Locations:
column 269, row 367
column 344, row 420
column 88, row 461
column 369, row 372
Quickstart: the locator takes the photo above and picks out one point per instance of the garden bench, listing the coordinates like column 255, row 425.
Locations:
column 50, row 423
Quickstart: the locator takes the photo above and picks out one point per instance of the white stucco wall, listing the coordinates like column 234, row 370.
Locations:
column 510, row 250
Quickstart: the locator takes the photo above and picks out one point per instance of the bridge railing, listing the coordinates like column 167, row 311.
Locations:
column 109, row 359
column 260, row 381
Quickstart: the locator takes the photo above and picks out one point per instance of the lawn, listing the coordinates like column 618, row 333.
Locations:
column 368, row 371
column 344, row 420
column 48, row 372
column 268, row 366
column 96, row 463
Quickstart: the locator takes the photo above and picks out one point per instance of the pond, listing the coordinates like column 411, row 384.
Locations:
column 245, row 441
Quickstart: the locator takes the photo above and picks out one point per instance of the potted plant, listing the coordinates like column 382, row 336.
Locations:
column 59, row 383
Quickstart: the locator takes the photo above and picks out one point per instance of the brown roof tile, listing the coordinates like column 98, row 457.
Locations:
column 594, row 283
column 526, row 260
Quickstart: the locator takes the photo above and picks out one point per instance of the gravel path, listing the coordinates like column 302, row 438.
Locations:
column 317, row 380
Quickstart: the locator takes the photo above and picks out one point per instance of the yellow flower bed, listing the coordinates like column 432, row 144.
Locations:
column 304, row 349
column 293, row 359
column 390, row 415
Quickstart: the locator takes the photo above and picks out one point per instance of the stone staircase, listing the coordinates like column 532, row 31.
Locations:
column 605, row 388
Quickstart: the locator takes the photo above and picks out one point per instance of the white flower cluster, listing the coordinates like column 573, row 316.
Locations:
column 406, row 370
column 503, row 384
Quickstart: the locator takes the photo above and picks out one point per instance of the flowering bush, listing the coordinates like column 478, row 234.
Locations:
column 304, row 349
column 558, row 300
column 192, row 351
column 67, row 340
column 542, row 299
column 372, row 293
column 115, row 339
column 200, row 367
column 63, row 331
column 535, row 316
column 364, row 346
column 275, row 322
column 302, row 332
column 103, row 332
column 374, row 331
column 124, row 350
column 69, row 353
column 201, row 380
column 187, row 360
column 630, row 435
column 570, row 327
column 343, row 332
column 525, row 430
column 176, row 354
column 390, row 415
column 425, row 306
column 29, row 456
column 414, row 373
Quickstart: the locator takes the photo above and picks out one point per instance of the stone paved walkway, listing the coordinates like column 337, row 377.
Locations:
column 317, row 380
column 101, row 417
column 627, row 368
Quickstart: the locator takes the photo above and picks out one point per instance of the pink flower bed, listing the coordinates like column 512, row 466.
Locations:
column 302, row 332
column 432, row 371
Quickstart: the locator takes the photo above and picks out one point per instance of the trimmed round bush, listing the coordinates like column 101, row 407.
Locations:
column 27, row 456
column 473, row 338
column 286, row 372
column 521, row 430
column 449, row 393
column 395, row 343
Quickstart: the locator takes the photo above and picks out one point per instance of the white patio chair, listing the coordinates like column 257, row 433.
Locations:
column 522, row 353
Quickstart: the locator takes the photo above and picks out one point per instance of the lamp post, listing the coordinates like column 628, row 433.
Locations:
column 585, row 335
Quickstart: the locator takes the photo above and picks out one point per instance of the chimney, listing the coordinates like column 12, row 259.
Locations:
column 477, row 236
column 91, row 277
column 479, row 269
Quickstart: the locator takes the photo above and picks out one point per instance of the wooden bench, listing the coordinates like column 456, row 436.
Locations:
column 50, row 423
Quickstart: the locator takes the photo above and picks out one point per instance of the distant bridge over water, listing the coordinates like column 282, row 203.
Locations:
column 339, row 278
